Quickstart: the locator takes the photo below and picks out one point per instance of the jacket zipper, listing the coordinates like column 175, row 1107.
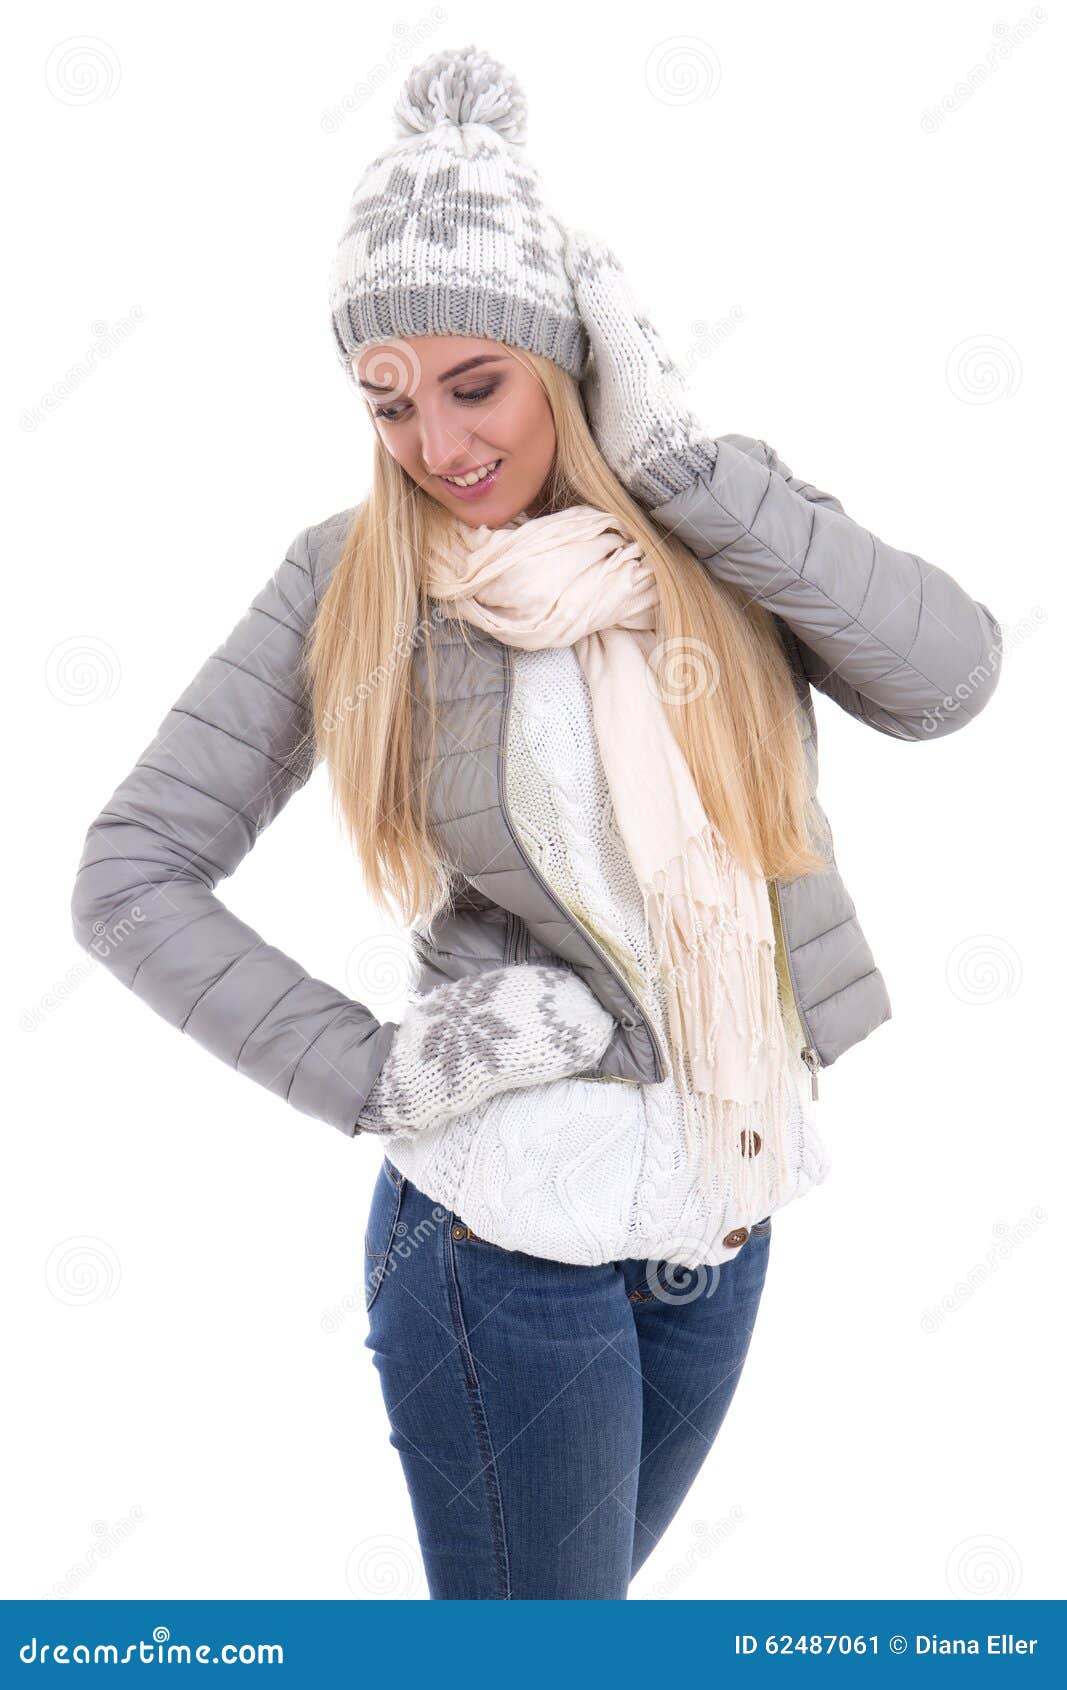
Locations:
column 535, row 871
column 809, row 1055
column 517, row 944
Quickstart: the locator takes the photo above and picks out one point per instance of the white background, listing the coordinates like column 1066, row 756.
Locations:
column 848, row 229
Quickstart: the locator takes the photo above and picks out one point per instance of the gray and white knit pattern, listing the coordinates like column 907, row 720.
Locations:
column 447, row 231
column 634, row 392
column 476, row 1037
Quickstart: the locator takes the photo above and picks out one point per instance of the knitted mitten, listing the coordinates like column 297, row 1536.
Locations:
column 634, row 393
column 492, row 1032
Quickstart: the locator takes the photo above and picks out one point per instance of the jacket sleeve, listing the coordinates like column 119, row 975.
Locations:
column 891, row 638
column 225, row 761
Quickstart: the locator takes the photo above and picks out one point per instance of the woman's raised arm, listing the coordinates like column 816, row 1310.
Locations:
column 893, row 639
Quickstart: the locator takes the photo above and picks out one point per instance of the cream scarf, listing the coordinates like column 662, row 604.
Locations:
column 570, row 578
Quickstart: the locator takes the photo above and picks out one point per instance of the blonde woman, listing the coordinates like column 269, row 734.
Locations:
column 558, row 665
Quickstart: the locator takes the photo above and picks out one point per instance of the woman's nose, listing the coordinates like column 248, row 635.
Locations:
column 443, row 444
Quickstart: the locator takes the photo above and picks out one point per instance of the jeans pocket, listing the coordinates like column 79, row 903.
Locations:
column 383, row 1220
column 761, row 1228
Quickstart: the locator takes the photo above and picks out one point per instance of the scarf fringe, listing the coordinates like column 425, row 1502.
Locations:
column 726, row 1030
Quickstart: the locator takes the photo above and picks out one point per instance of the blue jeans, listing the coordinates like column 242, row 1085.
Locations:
column 549, row 1418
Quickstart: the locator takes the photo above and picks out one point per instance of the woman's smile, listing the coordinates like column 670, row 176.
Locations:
column 485, row 477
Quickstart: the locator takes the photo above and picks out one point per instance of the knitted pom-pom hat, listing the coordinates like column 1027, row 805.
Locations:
column 447, row 232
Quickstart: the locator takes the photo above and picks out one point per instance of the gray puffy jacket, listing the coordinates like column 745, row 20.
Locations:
column 892, row 639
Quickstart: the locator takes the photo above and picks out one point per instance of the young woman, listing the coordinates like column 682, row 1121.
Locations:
column 558, row 663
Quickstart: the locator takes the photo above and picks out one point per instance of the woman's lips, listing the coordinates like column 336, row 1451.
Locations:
column 479, row 488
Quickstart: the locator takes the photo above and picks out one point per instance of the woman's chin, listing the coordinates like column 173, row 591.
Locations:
column 491, row 512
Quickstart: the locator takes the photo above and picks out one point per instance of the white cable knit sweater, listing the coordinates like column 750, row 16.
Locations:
column 591, row 1170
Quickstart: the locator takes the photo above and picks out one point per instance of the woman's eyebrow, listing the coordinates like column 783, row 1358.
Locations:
column 456, row 370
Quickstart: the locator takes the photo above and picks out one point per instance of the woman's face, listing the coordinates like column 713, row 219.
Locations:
column 446, row 405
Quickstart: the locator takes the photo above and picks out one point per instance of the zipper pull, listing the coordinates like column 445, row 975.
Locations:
column 810, row 1058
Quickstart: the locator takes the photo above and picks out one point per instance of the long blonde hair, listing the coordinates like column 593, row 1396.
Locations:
column 725, row 679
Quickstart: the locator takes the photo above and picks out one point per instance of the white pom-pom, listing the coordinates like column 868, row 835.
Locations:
column 464, row 86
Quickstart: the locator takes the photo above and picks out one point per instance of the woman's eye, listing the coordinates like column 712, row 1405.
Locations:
column 393, row 413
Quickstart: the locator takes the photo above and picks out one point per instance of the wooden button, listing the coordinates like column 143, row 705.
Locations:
column 736, row 1238
column 751, row 1143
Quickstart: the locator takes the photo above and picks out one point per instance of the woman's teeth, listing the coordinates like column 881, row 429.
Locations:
column 475, row 475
